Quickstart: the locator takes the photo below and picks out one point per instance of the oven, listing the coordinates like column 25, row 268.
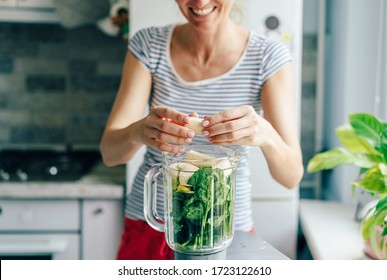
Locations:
column 43, row 229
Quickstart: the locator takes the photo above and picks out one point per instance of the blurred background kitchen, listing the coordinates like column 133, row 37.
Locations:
column 60, row 68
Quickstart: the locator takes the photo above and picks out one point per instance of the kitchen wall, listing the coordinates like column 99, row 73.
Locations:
column 308, row 101
column 356, row 76
column 308, row 110
column 57, row 85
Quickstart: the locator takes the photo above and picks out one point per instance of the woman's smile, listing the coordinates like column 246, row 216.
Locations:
column 202, row 12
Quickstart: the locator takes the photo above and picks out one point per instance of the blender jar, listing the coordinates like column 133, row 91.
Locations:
column 199, row 191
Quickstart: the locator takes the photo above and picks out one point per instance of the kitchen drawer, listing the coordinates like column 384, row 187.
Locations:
column 38, row 215
column 55, row 246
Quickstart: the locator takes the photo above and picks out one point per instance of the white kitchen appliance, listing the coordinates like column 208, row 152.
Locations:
column 275, row 208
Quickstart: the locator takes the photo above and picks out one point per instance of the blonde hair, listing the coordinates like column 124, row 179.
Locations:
column 236, row 14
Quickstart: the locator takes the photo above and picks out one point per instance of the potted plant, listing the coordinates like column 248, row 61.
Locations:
column 364, row 142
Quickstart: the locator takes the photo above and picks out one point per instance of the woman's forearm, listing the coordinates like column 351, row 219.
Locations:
column 284, row 161
column 120, row 145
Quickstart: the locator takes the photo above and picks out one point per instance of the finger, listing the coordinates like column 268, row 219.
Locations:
column 226, row 115
column 169, row 113
column 172, row 128
column 194, row 114
column 164, row 125
column 230, row 136
column 166, row 147
column 229, row 126
column 169, row 138
column 239, row 142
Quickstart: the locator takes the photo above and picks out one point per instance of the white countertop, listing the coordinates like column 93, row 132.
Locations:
column 331, row 231
column 101, row 183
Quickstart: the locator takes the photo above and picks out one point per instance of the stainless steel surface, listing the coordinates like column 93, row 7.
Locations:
column 244, row 246
column 249, row 246
column 218, row 256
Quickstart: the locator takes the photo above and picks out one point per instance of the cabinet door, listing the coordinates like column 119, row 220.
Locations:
column 39, row 215
column 102, row 223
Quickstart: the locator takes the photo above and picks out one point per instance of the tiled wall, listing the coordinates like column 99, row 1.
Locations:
column 57, row 85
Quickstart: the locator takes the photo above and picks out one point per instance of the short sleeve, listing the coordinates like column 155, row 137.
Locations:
column 140, row 47
column 275, row 55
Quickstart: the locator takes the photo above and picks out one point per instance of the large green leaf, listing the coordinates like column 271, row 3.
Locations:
column 375, row 180
column 353, row 142
column 374, row 219
column 383, row 143
column 366, row 125
column 338, row 156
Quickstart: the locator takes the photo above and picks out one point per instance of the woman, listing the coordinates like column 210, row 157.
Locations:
column 212, row 68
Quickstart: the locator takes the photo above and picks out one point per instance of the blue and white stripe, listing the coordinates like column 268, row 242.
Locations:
column 241, row 85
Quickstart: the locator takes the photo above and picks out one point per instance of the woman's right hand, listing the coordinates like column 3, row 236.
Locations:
column 163, row 129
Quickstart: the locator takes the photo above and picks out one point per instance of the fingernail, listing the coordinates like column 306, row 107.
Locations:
column 186, row 119
column 205, row 133
column 205, row 123
column 188, row 140
column 190, row 134
column 181, row 149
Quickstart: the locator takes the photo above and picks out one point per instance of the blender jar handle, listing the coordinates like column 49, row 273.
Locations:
column 150, row 198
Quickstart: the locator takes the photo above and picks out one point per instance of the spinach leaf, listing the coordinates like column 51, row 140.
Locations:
column 203, row 218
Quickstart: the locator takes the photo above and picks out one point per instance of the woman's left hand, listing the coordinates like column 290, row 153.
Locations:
column 237, row 126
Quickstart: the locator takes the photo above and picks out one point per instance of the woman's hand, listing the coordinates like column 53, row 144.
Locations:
column 164, row 129
column 237, row 126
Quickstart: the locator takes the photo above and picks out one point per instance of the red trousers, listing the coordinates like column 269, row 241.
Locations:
column 141, row 242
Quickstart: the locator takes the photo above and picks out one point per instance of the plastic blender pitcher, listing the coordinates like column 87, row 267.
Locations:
column 199, row 191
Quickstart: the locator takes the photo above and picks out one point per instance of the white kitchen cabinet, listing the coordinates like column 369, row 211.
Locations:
column 102, row 222
column 39, row 229
column 276, row 222
column 39, row 215
column 60, row 229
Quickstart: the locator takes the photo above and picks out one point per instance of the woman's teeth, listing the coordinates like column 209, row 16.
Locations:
column 202, row 12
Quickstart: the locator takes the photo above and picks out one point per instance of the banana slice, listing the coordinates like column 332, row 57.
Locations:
column 195, row 124
column 200, row 159
column 224, row 165
column 174, row 170
column 182, row 170
column 184, row 189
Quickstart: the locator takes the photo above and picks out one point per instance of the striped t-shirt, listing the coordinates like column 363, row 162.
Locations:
column 241, row 85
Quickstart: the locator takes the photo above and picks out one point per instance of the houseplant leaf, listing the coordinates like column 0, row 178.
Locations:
column 330, row 159
column 353, row 142
column 383, row 144
column 375, row 179
column 339, row 156
column 366, row 125
column 374, row 227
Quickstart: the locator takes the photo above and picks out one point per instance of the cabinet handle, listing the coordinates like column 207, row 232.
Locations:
column 1, row 210
column 98, row 211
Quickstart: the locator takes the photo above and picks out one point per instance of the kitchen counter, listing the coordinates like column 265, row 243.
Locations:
column 244, row 246
column 249, row 246
column 331, row 230
column 101, row 182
